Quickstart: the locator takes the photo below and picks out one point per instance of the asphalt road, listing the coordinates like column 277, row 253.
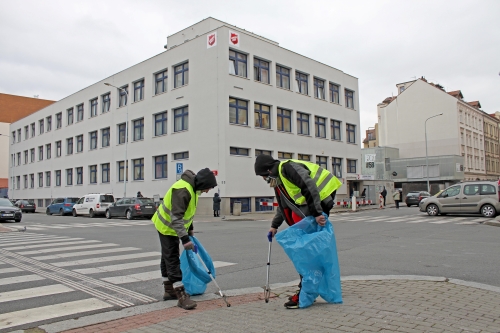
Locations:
column 118, row 259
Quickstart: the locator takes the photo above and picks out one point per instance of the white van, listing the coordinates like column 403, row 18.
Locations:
column 93, row 204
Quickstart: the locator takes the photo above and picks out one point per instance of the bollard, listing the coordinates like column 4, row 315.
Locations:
column 381, row 201
column 354, row 204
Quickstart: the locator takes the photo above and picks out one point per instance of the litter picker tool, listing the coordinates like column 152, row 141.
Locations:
column 267, row 289
column 211, row 276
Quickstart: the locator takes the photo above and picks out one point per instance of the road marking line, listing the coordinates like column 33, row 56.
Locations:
column 466, row 223
column 10, row 270
column 62, row 239
column 48, row 245
column 33, row 237
column 104, row 259
column 419, row 221
column 85, row 253
column 33, row 292
column 70, row 248
column 118, row 267
column 27, row 316
column 20, row 279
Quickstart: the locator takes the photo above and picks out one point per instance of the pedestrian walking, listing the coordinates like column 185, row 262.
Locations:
column 384, row 194
column 397, row 197
column 139, row 195
column 173, row 221
column 216, row 207
column 302, row 189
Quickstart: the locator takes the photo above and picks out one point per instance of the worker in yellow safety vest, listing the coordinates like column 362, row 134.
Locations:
column 173, row 221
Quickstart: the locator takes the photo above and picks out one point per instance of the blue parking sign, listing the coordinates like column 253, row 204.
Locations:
column 179, row 168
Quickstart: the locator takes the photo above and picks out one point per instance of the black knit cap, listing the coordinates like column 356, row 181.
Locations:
column 264, row 163
column 204, row 180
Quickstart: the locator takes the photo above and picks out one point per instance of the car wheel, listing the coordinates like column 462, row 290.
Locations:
column 129, row 215
column 408, row 205
column 108, row 214
column 17, row 220
column 61, row 212
column 74, row 213
column 432, row 210
column 91, row 214
column 48, row 212
column 488, row 211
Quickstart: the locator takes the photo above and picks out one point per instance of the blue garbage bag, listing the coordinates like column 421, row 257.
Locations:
column 194, row 276
column 313, row 251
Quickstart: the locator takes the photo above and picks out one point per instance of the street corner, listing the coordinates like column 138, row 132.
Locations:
column 493, row 223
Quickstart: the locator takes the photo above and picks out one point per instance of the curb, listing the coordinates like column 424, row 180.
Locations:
column 492, row 223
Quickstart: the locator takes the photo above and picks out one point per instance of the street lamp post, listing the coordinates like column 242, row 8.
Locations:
column 12, row 167
column 125, row 163
column 426, row 156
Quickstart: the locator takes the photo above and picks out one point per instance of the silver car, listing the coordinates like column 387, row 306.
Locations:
column 479, row 197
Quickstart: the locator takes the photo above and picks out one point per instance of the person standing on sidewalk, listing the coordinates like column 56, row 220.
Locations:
column 302, row 189
column 384, row 194
column 397, row 197
column 216, row 207
column 173, row 221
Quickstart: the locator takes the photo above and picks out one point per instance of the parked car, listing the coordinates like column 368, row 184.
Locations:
column 93, row 204
column 414, row 197
column 132, row 208
column 61, row 206
column 26, row 206
column 9, row 212
column 478, row 197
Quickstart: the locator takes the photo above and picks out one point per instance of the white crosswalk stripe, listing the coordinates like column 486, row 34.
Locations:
column 20, row 279
column 48, row 245
column 104, row 259
column 16, row 295
column 119, row 267
column 414, row 219
column 101, row 224
column 85, row 253
column 63, row 249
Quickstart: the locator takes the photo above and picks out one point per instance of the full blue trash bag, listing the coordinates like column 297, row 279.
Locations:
column 313, row 251
column 194, row 276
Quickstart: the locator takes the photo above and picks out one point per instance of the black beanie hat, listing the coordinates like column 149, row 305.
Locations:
column 264, row 163
column 204, row 180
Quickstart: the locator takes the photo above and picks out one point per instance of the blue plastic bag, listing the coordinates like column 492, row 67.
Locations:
column 194, row 276
column 313, row 251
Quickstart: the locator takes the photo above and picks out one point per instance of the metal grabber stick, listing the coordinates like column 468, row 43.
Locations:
column 267, row 289
column 211, row 276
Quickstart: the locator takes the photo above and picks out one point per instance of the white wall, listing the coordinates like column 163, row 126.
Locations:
column 5, row 141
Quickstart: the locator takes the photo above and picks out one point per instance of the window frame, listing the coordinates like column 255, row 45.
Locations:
column 263, row 152
column 69, row 177
column 161, row 164
column 318, row 125
column 41, row 127
column 70, row 116
column 349, row 98
column 32, row 155
column 80, row 112
column 350, row 130
column 280, row 116
column 350, row 167
column 105, row 170
column 122, row 171
column 337, row 166
column 259, row 115
column 93, row 140
column 93, row 107
column 164, row 81
column 105, row 137
column 301, row 77
column 332, row 92
column 280, row 74
column 79, row 176
column 123, row 131
column 238, row 109
column 40, row 179
column 93, row 174
column 334, row 129
column 184, row 156
column 33, row 130
column 139, row 89
column 300, row 121
column 138, row 165
column 123, row 96
column 162, row 122
column 138, row 129
column 183, row 72
column 58, row 177
column 258, row 67
column 47, row 178
column 79, row 143
column 106, row 102
column 301, row 157
column 58, row 148
column 69, row 143
column 239, row 151
column 319, row 86
column 184, row 115
column 49, row 124
column 236, row 60
column 281, row 155
column 322, row 161
column 40, row 153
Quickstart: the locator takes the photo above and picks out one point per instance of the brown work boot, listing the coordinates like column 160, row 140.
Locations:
column 184, row 301
column 169, row 291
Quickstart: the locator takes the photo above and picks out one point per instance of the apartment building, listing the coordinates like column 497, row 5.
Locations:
column 217, row 97
column 491, row 127
column 370, row 140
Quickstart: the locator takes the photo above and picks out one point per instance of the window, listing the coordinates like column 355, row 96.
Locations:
column 58, row 120
column 19, row 135
column 105, row 172
column 47, row 178
column 69, row 146
column 49, row 123
column 41, row 127
column 260, row 70
column 262, row 152
column 284, row 156
column 58, row 148
column 335, row 124
column 238, row 111
column 302, row 123
column 48, row 150
column 239, row 151
column 105, row 136
column 334, row 93
column 18, row 182
column 451, row 192
column 69, row 114
column 351, row 166
column 319, row 88
column 160, row 166
column 79, row 143
column 304, row 157
column 181, row 156
column 32, row 154
column 262, row 115
column 351, row 133
column 40, row 153
column 79, row 112
column 25, row 181
column 106, row 102
column 69, row 176
column 122, row 133
column 79, row 175
column 237, row 63
column 13, row 136
column 301, row 79
column 121, row 170
column 337, row 167
column 320, row 127
column 487, row 189
column 282, row 77
column 138, row 169
column 93, row 140
column 161, row 82
column 138, row 129
column 32, row 180
column 471, row 189
column 19, row 158
column 122, row 96
column 322, row 161
column 25, row 157
column 181, row 75
column 40, row 179
column 26, row 132
column 32, row 130
column 181, row 119
column 93, row 174
column 349, row 98
column 139, row 90
column 284, row 120
column 93, row 107
column 161, row 123
column 58, row 177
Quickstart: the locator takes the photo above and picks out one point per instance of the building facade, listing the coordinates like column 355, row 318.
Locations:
column 217, row 97
column 491, row 127
column 370, row 140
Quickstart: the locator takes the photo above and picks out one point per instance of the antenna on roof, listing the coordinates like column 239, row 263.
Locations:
column 35, row 96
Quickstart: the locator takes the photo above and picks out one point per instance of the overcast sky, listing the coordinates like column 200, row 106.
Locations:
column 54, row 48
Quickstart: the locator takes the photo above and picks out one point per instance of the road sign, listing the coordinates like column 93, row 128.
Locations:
column 179, row 168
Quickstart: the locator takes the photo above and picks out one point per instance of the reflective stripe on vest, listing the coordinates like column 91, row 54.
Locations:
column 324, row 180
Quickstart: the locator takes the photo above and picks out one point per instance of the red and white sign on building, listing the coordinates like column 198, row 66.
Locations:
column 234, row 38
column 212, row 39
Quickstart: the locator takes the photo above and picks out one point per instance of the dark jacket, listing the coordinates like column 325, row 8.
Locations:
column 384, row 192
column 217, row 201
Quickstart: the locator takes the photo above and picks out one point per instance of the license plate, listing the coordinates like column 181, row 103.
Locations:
column 6, row 215
column 148, row 206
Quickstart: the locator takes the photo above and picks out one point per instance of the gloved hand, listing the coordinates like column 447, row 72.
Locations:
column 191, row 232
column 273, row 231
column 321, row 220
column 188, row 246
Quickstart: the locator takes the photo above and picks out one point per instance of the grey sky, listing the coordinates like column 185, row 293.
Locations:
column 54, row 48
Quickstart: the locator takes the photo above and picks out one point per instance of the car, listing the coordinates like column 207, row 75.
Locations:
column 414, row 197
column 132, row 208
column 26, row 206
column 93, row 204
column 61, row 206
column 477, row 197
column 9, row 212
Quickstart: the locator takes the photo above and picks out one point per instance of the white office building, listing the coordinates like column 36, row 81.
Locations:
column 216, row 97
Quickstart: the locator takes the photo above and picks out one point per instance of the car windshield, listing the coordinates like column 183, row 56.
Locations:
column 413, row 194
column 73, row 200
column 145, row 201
column 107, row 198
column 5, row 203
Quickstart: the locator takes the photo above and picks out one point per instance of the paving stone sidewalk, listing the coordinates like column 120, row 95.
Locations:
column 396, row 305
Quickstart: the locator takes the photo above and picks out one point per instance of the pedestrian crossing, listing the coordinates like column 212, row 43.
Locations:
column 102, row 223
column 44, row 277
column 413, row 219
